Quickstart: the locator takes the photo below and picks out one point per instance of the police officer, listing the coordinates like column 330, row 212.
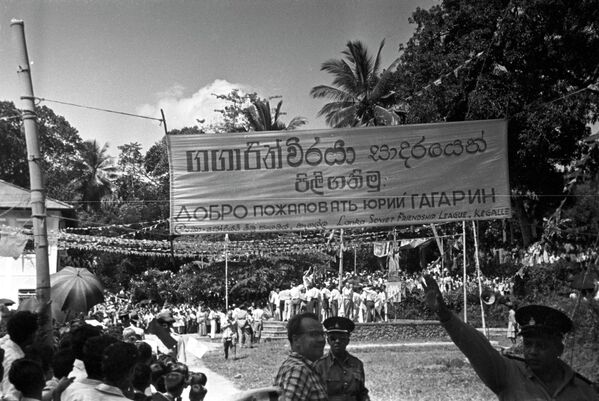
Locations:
column 342, row 373
column 541, row 375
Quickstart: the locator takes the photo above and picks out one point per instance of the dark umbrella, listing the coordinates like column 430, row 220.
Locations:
column 584, row 281
column 31, row 304
column 76, row 289
column 7, row 302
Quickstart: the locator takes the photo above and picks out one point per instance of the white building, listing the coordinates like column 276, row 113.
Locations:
column 18, row 271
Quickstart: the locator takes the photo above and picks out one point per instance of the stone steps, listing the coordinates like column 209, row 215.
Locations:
column 273, row 330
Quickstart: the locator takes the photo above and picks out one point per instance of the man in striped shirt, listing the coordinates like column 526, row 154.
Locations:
column 297, row 377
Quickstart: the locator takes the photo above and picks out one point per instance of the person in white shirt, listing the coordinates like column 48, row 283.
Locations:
column 83, row 389
column 335, row 300
column 273, row 303
column 295, row 300
column 369, row 300
column 22, row 328
column 313, row 301
column 325, row 295
column 380, row 305
column 258, row 315
column 212, row 317
column 118, row 361
column 285, row 304
column 79, row 336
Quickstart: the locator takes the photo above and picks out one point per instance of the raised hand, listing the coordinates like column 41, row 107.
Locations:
column 432, row 294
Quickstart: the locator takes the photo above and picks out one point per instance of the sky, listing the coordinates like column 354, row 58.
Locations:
column 139, row 56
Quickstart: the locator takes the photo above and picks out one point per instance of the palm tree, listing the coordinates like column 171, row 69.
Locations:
column 360, row 94
column 260, row 118
column 99, row 174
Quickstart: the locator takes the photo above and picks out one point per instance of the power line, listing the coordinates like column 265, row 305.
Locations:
column 41, row 99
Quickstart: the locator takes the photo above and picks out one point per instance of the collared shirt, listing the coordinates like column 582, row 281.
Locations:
column 299, row 380
column 12, row 352
column 81, row 390
column 344, row 379
column 78, row 372
column 106, row 392
column 510, row 379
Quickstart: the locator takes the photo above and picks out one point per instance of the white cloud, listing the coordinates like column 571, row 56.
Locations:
column 183, row 111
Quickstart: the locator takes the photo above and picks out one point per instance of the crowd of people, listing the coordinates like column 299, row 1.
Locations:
column 87, row 362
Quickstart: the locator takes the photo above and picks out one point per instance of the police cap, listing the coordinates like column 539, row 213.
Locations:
column 538, row 320
column 338, row 324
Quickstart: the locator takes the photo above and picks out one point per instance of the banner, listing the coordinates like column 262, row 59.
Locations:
column 339, row 178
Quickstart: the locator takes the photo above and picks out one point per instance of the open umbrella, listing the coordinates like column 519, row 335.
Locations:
column 32, row 304
column 6, row 301
column 75, row 289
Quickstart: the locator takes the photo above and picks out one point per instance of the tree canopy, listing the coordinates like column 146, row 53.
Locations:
column 528, row 62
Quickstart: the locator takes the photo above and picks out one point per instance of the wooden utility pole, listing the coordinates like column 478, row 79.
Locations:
column 38, row 196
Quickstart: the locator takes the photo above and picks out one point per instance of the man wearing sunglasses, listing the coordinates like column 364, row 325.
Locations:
column 342, row 373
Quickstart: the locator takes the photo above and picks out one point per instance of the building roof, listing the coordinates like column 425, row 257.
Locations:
column 13, row 196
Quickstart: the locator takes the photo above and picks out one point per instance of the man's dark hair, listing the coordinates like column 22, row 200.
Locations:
column 118, row 360
column 80, row 336
column 145, row 352
column 27, row 376
column 294, row 325
column 42, row 354
column 62, row 363
column 181, row 368
column 142, row 376
column 93, row 350
column 197, row 378
column 21, row 326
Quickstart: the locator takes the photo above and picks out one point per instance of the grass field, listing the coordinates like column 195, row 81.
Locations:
column 392, row 373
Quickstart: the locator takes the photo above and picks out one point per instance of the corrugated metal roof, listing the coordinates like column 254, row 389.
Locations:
column 13, row 196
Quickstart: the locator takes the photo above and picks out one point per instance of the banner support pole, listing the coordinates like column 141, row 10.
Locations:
column 340, row 259
column 226, row 273
column 480, row 284
column 464, row 269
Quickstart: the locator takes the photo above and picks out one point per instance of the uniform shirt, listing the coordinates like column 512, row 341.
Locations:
column 299, row 380
column 344, row 379
column 335, row 294
column 510, row 379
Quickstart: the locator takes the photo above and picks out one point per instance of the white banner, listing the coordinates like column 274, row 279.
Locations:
column 323, row 179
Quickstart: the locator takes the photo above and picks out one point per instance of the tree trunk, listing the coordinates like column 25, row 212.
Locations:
column 526, row 228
